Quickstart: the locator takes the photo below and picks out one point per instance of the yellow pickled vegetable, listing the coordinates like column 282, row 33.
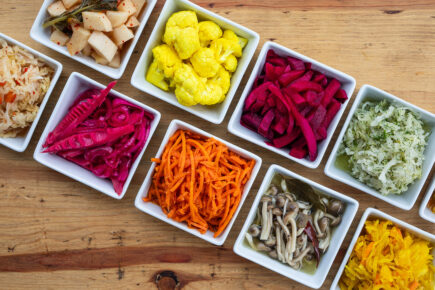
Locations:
column 167, row 59
column 208, row 31
column 196, row 59
column 182, row 33
column 386, row 258
column 205, row 63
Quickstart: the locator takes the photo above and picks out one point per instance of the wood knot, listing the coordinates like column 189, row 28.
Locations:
column 166, row 280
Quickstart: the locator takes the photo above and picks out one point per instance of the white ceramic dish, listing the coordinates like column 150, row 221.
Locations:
column 155, row 210
column 424, row 211
column 41, row 35
column 407, row 199
column 311, row 280
column 76, row 84
column 372, row 213
column 20, row 143
column 234, row 126
column 215, row 113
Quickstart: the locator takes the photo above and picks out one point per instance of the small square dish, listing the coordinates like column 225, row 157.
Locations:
column 407, row 199
column 20, row 143
column 76, row 84
column 215, row 113
column 42, row 35
column 315, row 279
column 156, row 211
column 235, row 127
column 374, row 214
column 424, row 211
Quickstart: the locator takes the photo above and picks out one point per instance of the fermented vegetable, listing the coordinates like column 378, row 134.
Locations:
column 384, row 146
column 24, row 81
column 196, row 59
column 101, row 133
column 294, row 223
column 292, row 105
column 386, row 257
column 199, row 181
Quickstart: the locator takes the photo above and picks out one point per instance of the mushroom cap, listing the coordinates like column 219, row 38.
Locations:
column 280, row 201
column 324, row 223
column 335, row 207
column 254, row 230
column 276, row 211
column 262, row 247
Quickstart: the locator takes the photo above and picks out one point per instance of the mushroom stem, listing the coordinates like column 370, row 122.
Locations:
column 294, row 233
column 278, row 244
column 266, row 223
column 250, row 241
column 301, row 255
column 284, row 227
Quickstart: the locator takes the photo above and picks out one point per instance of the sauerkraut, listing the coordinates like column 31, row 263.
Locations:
column 24, row 80
column 384, row 145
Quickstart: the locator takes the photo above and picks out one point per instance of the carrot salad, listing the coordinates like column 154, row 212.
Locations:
column 205, row 195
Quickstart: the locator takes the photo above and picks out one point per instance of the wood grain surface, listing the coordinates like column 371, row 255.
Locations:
column 56, row 233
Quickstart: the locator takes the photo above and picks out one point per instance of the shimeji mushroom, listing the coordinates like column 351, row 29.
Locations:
column 266, row 218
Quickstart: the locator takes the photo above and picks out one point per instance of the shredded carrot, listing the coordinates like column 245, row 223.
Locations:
column 413, row 285
column 199, row 181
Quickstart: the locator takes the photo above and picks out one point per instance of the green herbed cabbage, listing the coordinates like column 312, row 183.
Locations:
column 384, row 145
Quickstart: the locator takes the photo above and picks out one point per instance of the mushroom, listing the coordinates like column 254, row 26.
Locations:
column 273, row 190
column 302, row 220
column 280, row 201
column 266, row 218
column 254, row 230
column 262, row 247
column 323, row 226
column 317, row 216
column 334, row 220
column 271, row 241
column 324, row 243
column 250, row 241
column 279, row 243
column 299, row 258
column 277, row 211
column 304, row 204
column 284, row 185
column 335, row 207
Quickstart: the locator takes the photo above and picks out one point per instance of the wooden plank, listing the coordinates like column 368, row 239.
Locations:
column 57, row 233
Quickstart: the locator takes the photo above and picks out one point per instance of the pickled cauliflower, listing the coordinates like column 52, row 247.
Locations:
column 208, row 31
column 182, row 33
column 197, row 59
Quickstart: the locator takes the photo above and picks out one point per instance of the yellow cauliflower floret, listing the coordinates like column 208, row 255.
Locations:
column 208, row 31
column 230, row 63
column 167, row 59
column 156, row 76
column 223, row 48
column 230, row 35
column 212, row 94
column 222, row 79
column 204, row 62
column 189, row 86
column 182, row 33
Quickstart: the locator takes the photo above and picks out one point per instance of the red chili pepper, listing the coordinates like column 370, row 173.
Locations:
column 17, row 82
column 2, row 84
column 25, row 69
column 311, row 233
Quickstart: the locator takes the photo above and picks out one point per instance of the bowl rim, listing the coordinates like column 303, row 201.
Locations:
column 423, row 206
column 57, row 67
column 115, row 73
column 322, row 273
column 235, row 82
column 369, row 212
column 259, row 140
column 52, row 123
column 351, row 181
column 157, row 212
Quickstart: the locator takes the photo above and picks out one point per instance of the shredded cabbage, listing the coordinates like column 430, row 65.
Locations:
column 384, row 145
column 24, row 80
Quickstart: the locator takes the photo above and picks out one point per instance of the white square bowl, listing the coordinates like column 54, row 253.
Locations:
column 215, row 113
column 424, row 211
column 41, row 35
column 407, row 199
column 348, row 84
column 76, row 84
column 155, row 210
column 20, row 143
column 311, row 280
column 372, row 213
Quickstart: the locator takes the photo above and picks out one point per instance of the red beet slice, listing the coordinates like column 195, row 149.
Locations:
column 341, row 96
column 265, row 124
column 295, row 63
column 298, row 152
column 301, row 86
column 330, row 91
column 286, row 78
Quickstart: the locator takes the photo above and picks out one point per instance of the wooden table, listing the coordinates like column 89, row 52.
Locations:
column 57, row 233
